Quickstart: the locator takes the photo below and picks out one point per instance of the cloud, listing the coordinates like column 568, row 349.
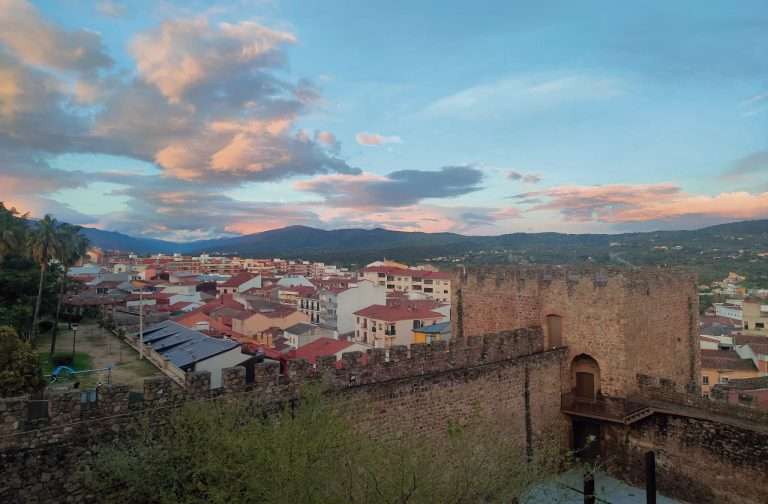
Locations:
column 186, row 54
column 38, row 42
column 419, row 218
column 524, row 94
column 398, row 189
column 110, row 8
column 375, row 139
column 753, row 164
column 624, row 203
column 528, row 178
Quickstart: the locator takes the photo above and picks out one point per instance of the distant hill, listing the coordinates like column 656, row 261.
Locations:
column 714, row 249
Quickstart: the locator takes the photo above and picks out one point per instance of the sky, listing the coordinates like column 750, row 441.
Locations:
column 190, row 120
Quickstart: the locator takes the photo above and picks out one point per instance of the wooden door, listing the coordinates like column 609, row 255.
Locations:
column 585, row 385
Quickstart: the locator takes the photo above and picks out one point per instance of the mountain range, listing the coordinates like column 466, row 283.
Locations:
column 705, row 245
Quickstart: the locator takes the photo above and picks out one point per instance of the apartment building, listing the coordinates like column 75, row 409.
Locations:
column 339, row 304
column 433, row 284
column 383, row 326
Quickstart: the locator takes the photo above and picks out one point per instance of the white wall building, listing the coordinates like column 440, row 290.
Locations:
column 338, row 306
column 727, row 310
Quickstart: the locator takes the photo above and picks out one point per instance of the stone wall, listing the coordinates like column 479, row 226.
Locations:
column 630, row 321
column 417, row 389
column 699, row 460
column 706, row 451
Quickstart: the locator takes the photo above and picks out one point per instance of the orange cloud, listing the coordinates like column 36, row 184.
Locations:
column 185, row 53
column 373, row 139
column 625, row 203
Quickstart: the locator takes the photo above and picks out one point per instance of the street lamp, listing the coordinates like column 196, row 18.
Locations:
column 74, row 340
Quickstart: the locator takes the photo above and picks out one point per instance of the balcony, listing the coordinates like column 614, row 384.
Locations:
column 609, row 409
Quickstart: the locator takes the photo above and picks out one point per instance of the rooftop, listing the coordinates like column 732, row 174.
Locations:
column 725, row 359
column 398, row 312
column 746, row 383
column 182, row 346
column 300, row 328
column 239, row 279
column 319, row 348
column 439, row 328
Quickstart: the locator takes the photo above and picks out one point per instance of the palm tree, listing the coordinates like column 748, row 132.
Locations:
column 72, row 247
column 12, row 230
column 43, row 246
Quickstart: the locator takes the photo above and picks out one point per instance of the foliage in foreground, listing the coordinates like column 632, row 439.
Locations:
column 220, row 453
column 19, row 370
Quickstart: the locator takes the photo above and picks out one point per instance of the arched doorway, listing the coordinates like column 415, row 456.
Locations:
column 554, row 331
column 585, row 377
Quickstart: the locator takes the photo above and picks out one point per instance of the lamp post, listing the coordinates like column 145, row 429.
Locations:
column 74, row 340
column 141, row 323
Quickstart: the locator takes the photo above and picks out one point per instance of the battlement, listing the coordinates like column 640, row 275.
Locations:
column 661, row 391
column 21, row 415
column 544, row 275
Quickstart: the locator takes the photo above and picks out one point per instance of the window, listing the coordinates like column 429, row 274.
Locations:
column 759, row 325
column 417, row 324
column 381, row 275
column 555, row 330
column 390, row 286
column 428, row 282
column 428, row 289
column 445, row 292
column 705, row 380
column 390, row 330
column 390, row 278
column 723, row 379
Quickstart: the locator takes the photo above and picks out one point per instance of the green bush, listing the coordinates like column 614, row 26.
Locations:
column 19, row 370
column 218, row 452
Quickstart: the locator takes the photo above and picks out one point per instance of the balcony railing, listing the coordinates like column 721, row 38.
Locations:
column 611, row 409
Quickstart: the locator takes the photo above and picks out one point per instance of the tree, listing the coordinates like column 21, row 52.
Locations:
column 72, row 247
column 19, row 369
column 224, row 452
column 43, row 246
column 12, row 231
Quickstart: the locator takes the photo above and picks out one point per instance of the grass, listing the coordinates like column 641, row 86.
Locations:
column 141, row 368
column 82, row 361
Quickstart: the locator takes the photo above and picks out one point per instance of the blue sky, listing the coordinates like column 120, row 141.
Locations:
column 198, row 119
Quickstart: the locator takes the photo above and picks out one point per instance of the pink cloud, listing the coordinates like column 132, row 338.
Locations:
column 188, row 52
column 625, row 203
column 374, row 139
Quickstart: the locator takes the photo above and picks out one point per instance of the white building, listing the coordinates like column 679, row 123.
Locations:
column 302, row 334
column 434, row 284
column 338, row 306
column 383, row 326
column 727, row 310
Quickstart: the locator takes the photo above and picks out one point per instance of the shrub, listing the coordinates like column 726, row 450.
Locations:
column 19, row 370
column 217, row 452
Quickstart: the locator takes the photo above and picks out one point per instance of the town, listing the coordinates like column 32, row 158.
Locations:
column 383, row 252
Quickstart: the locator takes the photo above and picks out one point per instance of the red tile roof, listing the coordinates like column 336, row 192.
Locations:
column 319, row 348
column 238, row 280
column 395, row 313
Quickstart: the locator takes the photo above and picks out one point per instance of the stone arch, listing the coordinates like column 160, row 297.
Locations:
column 585, row 377
column 554, row 326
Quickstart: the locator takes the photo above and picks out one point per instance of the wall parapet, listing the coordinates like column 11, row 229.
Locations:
column 20, row 415
column 651, row 388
